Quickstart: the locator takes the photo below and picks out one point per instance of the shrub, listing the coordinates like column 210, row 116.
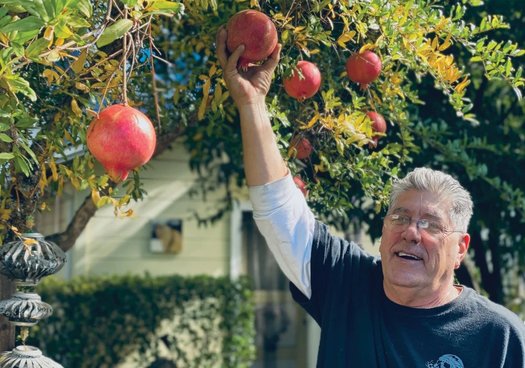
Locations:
column 100, row 321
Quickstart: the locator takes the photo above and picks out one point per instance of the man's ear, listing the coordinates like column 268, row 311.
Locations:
column 463, row 244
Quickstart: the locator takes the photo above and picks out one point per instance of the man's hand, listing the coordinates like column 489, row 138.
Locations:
column 250, row 86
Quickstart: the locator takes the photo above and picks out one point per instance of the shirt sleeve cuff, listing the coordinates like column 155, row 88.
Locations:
column 270, row 196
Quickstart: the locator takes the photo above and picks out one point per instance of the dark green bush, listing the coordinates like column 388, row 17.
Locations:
column 101, row 321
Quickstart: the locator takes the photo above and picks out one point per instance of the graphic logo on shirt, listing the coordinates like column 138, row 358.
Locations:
column 446, row 361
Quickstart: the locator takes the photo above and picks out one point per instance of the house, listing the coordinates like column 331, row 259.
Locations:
column 163, row 237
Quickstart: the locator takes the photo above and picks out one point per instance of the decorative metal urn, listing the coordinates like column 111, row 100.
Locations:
column 26, row 261
column 26, row 356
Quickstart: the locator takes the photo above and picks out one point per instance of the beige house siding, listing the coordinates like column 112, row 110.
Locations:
column 112, row 245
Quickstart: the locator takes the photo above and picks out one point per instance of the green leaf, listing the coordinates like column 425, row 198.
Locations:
column 165, row 5
column 28, row 150
column 22, row 166
column 6, row 156
column 63, row 31
column 17, row 84
column 35, row 48
column 86, row 8
column 130, row 3
column 115, row 31
column 5, row 138
column 27, row 24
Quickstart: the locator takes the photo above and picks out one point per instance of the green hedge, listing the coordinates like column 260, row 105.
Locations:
column 100, row 321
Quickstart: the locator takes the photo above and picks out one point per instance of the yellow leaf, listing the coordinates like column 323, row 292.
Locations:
column 49, row 34
column 3, row 38
column 59, row 42
column 213, row 70
column 368, row 46
column 78, row 64
column 127, row 213
column 95, row 196
column 54, row 172
column 298, row 29
column 461, row 86
column 446, row 44
column 204, row 103
column 15, row 230
column 81, row 87
column 50, row 75
column 312, row 121
column 74, row 106
column 345, row 37
column 30, row 241
column 435, row 43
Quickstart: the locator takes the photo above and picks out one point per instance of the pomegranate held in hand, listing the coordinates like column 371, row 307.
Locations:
column 121, row 138
column 254, row 30
column 305, row 84
column 301, row 147
column 378, row 126
column 363, row 68
column 301, row 185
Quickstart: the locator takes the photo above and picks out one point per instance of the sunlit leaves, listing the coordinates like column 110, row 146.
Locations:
column 114, row 32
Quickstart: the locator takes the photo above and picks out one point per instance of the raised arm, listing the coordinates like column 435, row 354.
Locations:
column 262, row 160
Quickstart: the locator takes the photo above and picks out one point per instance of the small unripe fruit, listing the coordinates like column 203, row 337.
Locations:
column 378, row 126
column 256, row 31
column 121, row 138
column 363, row 68
column 305, row 83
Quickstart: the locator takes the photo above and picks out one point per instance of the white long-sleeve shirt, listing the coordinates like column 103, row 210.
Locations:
column 287, row 223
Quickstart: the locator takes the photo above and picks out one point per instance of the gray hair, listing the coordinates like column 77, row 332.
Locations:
column 445, row 186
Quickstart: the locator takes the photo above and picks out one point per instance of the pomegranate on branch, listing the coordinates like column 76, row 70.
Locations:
column 301, row 148
column 254, row 30
column 378, row 126
column 363, row 68
column 305, row 83
column 122, row 139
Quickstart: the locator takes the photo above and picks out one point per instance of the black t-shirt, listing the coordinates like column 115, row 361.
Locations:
column 362, row 328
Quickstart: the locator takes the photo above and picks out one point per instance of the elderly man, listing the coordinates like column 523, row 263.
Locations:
column 402, row 310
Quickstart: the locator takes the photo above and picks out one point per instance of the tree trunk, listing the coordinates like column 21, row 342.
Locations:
column 7, row 330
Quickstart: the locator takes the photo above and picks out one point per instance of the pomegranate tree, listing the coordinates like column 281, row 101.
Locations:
column 304, row 81
column 254, row 30
column 363, row 68
column 378, row 126
column 121, row 138
column 301, row 148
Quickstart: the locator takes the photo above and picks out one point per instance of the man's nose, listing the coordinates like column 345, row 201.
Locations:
column 412, row 233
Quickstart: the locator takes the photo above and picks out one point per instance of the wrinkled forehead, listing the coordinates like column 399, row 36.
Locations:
column 417, row 203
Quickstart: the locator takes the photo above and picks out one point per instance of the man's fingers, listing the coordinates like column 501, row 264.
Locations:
column 274, row 58
column 220, row 44
column 234, row 58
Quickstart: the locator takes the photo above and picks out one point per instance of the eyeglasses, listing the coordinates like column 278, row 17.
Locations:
column 398, row 223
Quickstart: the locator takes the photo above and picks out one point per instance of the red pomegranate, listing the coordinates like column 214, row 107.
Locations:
column 363, row 68
column 121, row 138
column 378, row 126
column 305, row 84
column 254, row 30
column 301, row 147
column 301, row 185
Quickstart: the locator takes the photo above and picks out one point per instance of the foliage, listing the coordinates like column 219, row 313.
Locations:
column 485, row 156
column 62, row 62
column 99, row 321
